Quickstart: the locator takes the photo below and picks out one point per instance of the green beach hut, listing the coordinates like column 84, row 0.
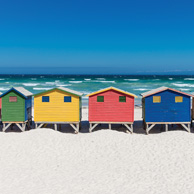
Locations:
column 16, row 107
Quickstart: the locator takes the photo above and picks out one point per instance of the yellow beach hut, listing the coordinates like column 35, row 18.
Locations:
column 58, row 106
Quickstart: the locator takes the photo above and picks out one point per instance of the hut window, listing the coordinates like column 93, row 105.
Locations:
column 156, row 99
column 122, row 98
column 45, row 98
column 100, row 98
column 67, row 98
column 13, row 99
column 178, row 99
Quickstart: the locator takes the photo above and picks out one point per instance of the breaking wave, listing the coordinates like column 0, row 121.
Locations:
column 42, row 88
column 75, row 82
column 134, row 80
column 190, row 79
column 183, row 85
column 30, row 84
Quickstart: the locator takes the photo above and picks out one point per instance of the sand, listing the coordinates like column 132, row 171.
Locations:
column 44, row 161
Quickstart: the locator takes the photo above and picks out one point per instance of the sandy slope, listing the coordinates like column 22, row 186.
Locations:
column 44, row 161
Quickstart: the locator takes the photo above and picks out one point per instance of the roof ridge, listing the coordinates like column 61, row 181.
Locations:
column 160, row 89
column 114, row 88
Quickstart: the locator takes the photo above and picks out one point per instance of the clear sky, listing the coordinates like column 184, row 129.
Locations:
column 97, row 36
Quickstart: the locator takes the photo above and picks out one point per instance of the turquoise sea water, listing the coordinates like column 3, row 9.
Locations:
column 89, row 83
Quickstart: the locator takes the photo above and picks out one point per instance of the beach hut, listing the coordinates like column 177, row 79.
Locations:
column 16, row 108
column 0, row 105
column 111, row 106
column 58, row 106
column 192, row 110
column 166, row 106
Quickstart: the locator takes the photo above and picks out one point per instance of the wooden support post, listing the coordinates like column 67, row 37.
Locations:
column 5, row 127
column 109, row 125
column 24, row 126
column 40, row 125
column 21, row 127
column 149, row 128
column 129, row 128
column 187, row 128
column 77, row 126
column 132, row 128
column 55, row 126
column 166, row 127
column 92, row 127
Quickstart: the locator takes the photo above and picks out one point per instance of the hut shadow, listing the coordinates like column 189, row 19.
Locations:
column 66, row 128
column 84, row 128
column 12, row 129
column 63, row 128
column 114, row 127
column 137, row 128
column 157, row 129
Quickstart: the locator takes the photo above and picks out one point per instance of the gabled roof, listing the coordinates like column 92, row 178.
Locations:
column 67, row 90
column 161, row 89
column 22, row 91
column 112, row 88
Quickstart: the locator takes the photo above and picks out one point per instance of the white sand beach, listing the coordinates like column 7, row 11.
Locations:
column 44, row 161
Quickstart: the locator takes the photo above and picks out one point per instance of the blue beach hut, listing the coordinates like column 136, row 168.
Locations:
column 166, row 106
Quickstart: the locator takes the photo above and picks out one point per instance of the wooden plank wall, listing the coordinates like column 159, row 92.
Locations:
column 13, row 111
column 111, row 110
column 56, row 110
column 168, row 110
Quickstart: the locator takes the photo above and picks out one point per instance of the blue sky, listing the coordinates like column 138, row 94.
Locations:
column 97, row 36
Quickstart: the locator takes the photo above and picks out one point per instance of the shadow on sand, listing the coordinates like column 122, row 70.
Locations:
column 137, row 128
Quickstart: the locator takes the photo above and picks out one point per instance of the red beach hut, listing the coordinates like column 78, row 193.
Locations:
column 0, row 105
column 111, row 106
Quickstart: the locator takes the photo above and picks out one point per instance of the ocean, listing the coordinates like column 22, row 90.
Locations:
column 136, row 84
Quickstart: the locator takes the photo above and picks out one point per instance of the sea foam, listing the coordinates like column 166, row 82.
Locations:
column 183, row 85
column 4, row 89
column 30, row 84
column 87, row 79
column 100, row 78
column 190, row 79
column 75, row 82
column 141, row 89
column 42, row 88
column 184, row 89
column 134, row 80
column 63, row 85
column 106, row 81
column 50, row 83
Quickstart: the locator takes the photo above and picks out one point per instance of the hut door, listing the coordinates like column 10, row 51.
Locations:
column 173, row 113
